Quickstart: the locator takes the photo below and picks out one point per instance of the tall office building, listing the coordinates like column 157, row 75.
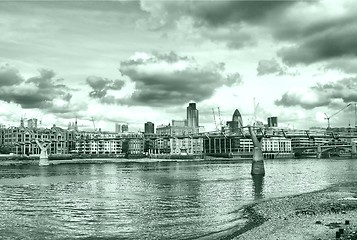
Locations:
column 192, row 115
column 236, row 123
column 117, row 128
column 272, row 121
column 124, row 128
column 149, row 127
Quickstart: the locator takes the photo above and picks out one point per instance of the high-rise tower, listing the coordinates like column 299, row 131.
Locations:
column 117, row 128
column 192, row 115
column 272, row 121
column 149, row 127
column 236, row 122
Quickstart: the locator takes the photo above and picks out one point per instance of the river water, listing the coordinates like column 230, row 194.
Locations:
column 153, row 200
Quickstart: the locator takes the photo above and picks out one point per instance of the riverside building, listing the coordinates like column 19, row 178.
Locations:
column 240, row 147
column 21, row 140
column 149, row 128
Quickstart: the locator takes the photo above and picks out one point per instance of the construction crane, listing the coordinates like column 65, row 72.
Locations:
column 328, row 117
column 220, row 119
column 214, row 118
column 93, row 124
column 254, row 117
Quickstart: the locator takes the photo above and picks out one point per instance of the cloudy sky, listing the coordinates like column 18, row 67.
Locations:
column 138, row 61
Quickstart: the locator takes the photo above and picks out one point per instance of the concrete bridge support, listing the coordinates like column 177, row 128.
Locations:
column 258, row 160
column 43, row 155
column 319, row 151
column 354, row 149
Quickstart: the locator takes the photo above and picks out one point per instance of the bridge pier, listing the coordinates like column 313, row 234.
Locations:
column 258, row 159
column 354, row 149
column 318, row 151
column 43, row 154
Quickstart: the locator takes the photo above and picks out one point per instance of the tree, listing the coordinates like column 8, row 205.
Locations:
column 4, row 149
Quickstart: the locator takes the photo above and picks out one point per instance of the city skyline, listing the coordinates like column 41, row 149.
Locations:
column 144, row 61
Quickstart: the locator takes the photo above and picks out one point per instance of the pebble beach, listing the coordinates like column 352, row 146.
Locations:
column 325, row 214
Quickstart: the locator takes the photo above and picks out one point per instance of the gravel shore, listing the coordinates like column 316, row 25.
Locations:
column 326, row 214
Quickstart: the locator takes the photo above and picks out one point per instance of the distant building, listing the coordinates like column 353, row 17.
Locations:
column 32, row 123
column 161, row 145
column 186, row 145
column 21, row 140
column 2, row 129
column 272, row 121
column 73, row 126
column 179, row 123
column 192, row 115
column 124, row 128
column 169, row 130
column 133, row 146
column 149, row 127
column 237, row 122
column 98, row 143
column 117, row 128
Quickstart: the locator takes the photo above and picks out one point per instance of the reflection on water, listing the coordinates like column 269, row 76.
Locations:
column 258, row 182
column 172, row 200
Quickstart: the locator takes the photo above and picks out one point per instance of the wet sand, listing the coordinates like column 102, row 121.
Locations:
column 316, row 215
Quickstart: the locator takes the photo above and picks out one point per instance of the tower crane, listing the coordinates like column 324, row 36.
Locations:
column 220, row 119
column 328, row 117
column 214, row 118
column 94, row 125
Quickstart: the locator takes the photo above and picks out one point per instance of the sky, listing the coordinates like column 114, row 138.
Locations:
column 137, row 61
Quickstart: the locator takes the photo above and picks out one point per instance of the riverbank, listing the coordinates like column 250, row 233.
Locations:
column 35, row 161
column 318, row 215
column 96, row 161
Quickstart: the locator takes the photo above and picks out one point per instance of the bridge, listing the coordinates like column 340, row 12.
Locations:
column 267, row 133
column 335, row 149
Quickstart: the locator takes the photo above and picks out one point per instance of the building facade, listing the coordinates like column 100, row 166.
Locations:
column 186, row 145
column 272, row 121
column 192, row 115
column 236, row 124
column 117, row 128
column 170, row 130
column 22, row 140
column 149, row 128
column 125, row 128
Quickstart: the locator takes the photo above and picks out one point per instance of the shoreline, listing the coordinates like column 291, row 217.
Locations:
column 315, row 215
column 91, row 161
column 30, row 161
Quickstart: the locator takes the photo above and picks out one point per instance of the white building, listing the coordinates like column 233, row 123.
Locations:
column 276, row 144
column 273, row 144
column 186, row 145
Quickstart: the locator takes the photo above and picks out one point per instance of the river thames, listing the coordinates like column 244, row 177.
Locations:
column 150, row 200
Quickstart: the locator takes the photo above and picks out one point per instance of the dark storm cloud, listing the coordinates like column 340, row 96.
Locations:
column 294, row 99
column 320, row 38
column 37, row 92
column 219, row 21
column 101, row 86
column 168, row 79
column 9, row 76
column 313, row 33
column 328, row 94
column 234, row 38
column 217, row 13
column 347, row 65
column 269, row 67
column 332, row 43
